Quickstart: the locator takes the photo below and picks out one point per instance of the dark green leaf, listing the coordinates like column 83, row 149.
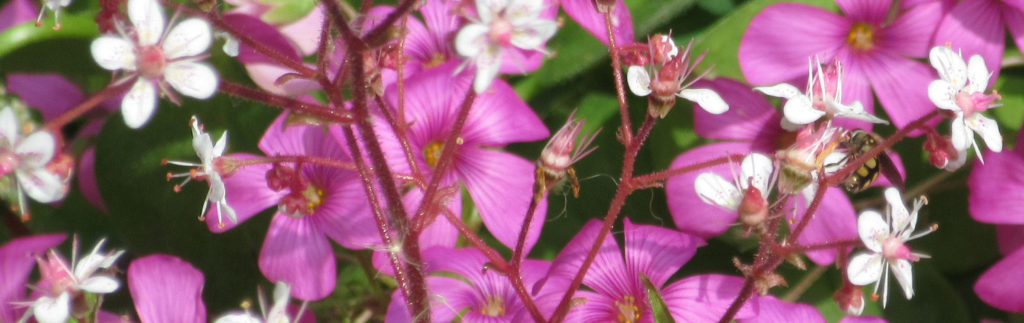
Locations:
column 658, row 307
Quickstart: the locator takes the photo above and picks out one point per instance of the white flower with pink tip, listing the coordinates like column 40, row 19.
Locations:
column 961, row 89
column 27, row 157
column 66, row 283
column 502, row 24
column 886, row 242
column 155, row 59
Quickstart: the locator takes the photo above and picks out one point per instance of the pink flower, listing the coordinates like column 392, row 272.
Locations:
column 315, row 203
column 877, row 53
column 17, row 258
column 166, row 289
column 977, row 28
column 774, row 310
column 428, row 43
column 500, row 183
column 502, row 34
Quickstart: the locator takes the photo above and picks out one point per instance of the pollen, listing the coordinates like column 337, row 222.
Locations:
column 494, row 306
column 629, row 312
column 433, row 153
column 861, row 36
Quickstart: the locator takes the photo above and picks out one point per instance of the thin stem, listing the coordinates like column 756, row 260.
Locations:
column 806, row 282
column 517, row 254
column 57, row 123
column 744, row 295
column 853, row 165
column 819, row 195
column 650, row 179
column 620, row 90
column 818, row 246
column 516, row 273
column 286, row 103
column 492, row 255
column 447, row 155
column 298, row 159
column 403, row 141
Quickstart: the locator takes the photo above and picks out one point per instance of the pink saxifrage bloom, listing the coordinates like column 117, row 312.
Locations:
column 877, row 53
column 502, row 34
column 977, row 28
column 26, row 158
column 17, row 258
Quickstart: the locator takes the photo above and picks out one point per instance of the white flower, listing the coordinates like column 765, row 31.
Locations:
column 756, row 170
column 156, row 59
column 278, row 312
column 639, row 81
column 503, row 23
column 961, row 89
column 208, row 153
column 27, row 158
column 823, row 96
column 55, row 6
column 885, row 240
column 67, row 282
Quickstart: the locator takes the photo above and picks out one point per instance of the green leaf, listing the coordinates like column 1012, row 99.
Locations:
column 78, row 25
column 287, row 11
column 658, row 307
column 722, row 41
column 1011, row 114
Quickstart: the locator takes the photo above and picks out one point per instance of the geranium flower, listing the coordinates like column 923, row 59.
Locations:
column 17, row 258
column 886, row 240
column 823, row 97
column 979, row 28
column 63, row 284
column 27, row 157
column 876, row 50
column 747, row 195
column 503, row 26
column 154, row 59
column 961, row 89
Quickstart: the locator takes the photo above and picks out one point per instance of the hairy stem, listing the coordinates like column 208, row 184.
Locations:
column 286, row 103
column 57, row 123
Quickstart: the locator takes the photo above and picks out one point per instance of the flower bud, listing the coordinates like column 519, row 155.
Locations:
column 940, row 149
column 561, row 152
column 850, row 299
column 280, row 177
column 753, row 209
column 662, row 49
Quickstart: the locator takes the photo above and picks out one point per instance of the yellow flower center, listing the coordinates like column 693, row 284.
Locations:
column 861, row 36
column 495, row 306
column 433, row 153
column 314, row 198
column 628, row 311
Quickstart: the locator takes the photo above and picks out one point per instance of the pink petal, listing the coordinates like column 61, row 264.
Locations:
column 775, row 310
column 856, row 87
column 440, row 233
column 1010, row 238
column 901, row 85
column 975, row 27
column 599, row 308
column 499, row 117
column 862, row 319
column 870, row 11
column 17, row 258
column 835, row 220
column 263, row 70
column 345, row 214
column 441, row 25
column 606, row 275
column 657, row 252
column 299, row 32
column 166, row 289
column 689, row 212
column 52, row 94
column 501, row 185
column 750, row 115
column 17, row 12
column 705, row 298
column 432, row 99
column 768, row 55
column 87, row 183
column 996, row 189
column 297, row 252
column 420, row 44
column 1001, row 285
column 911, row 33
column 584, row 13
column 1014, row 17
column 247, row 193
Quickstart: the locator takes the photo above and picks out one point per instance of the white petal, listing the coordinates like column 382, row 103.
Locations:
column 800, row 110
column 533, row 35
column 789, row 125
column 487, row 65
column 757, row 168
column 898, row 211
column 872, row 229
column 978, row 74
column 192, row 79
column 714, row 189
column 239, row 318
column 488, row 9
column 225, row 209
column 960, row 136
column 864, row 268
column 988, row 129
column 100, row 284
column 8, row 128
column 50, row 310
column 148, row 18
column 41, row 185
column 855, row 111
column 139, row 103
column 639, row 81
column 189, row 38
column 901, row 269
column 113, row 53
column 960, row 160
column 203, row 146
column 519, row 12
column 950, row 65
column 281, row 294
column 707, row 98
column 942, row 94
column 36, row 150
column 781, row 90
column 221, row 145
column 471, row 40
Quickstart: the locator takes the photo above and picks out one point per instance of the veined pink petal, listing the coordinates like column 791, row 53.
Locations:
column 501, row 185
column 1001, row 285
column 440, row 233
column 299, row 32
column 51, row 94
column 16, row 263
column 769, row 53
column 599, row 308
column 166, row 289
column 774, row 310
column 421, row 46
column 870, row 11
column 432, row 99
column 1014, row 17
column 996, row 187
column 441, row 24
column 344, row 214
column 689, row 212
column 87, row 183
column 515, row 60
column 901, row 85
column 975, row 27
column 607, row 274
column 297, row 252
column 657, row 252
column 246, row 192
column 750, row 116
column 705, row 298
column 834, row 220
column 263, row 70
column 584, row 13
column 499, row 117
column 17, row 12
column 1010, row 238
column 448, row 297
column 911, row 33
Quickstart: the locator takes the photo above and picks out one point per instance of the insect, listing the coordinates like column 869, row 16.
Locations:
column 857, row 142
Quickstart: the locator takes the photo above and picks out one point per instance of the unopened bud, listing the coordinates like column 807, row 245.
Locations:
column 850, row 299
column 940, row 149
column 753, row 209
column 662, row 49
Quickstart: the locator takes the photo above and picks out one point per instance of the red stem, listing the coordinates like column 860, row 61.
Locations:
column 286, row 103
column 57, row 123
column 650, row 179
column 620, row 89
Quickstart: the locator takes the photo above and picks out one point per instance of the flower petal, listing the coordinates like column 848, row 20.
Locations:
column 750, row 115
column 192, row 79
column 988, row 129
column 584, row 13
column 1000, row 285
column 960, row 136
column 874, row 11
column 657, row 252
column 533, row 35
column 774, row 310
column 639, row 81
column 950, row 66
column 100, row 284
column 911, row 33
column 901, row 219
column 864, row 268
column 471, row 40
column 768, row 56
column 714, row 189
column 247, row 192
column 996, row 188
column 191, row 37
column 9, row 129
column 942, row 93
column 781, row 90
column 689, row 212
column 901, row 85
column 113, row 53
column 18, row 259
column 36, row 150
column 501, row 185
column 297, row 253
column 835, row 220
column 148, row 18
column 800, row 110
column 607, row 275
column 51, row 94
column 149, row 280
column 139, row 103
column 706, row 98
column 872, row 229
column 973, row 28
column 977, row 74
column 52, row 310
column 756, row 169
column 901, row 269
column 498, row 117
column 41, row 185
column 705, row 298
